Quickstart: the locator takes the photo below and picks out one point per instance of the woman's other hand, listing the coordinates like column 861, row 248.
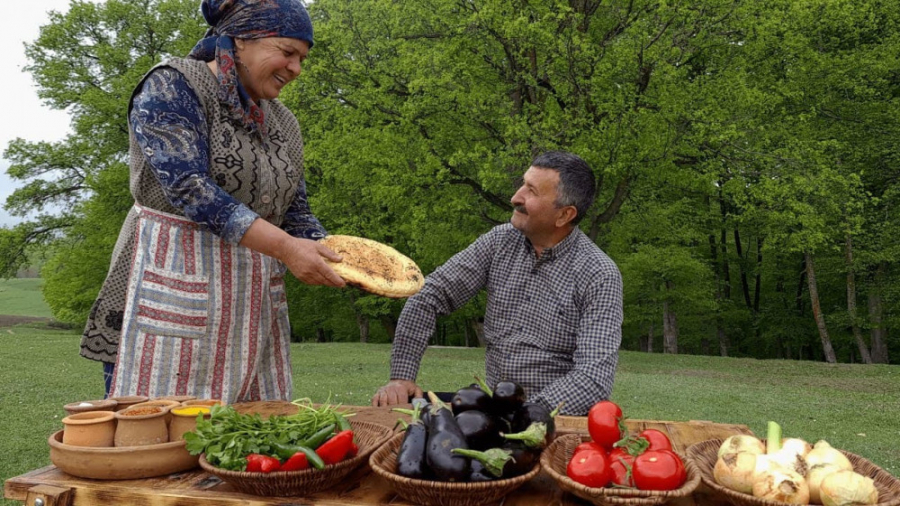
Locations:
column 305, row 258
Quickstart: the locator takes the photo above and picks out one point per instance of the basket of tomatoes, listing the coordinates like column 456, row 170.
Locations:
column 611, row 466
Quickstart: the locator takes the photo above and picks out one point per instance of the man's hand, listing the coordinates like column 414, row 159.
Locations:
column 396, row 392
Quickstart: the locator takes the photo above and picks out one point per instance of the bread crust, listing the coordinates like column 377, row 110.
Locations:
column 374, row 267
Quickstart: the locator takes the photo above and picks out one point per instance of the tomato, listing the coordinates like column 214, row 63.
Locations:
column 589, row 445
column 590, row 468
column 620, row 465
column 658, row 470
column 658, row 440
column 603, row 422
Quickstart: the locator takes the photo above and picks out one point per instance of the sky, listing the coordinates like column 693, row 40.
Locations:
column 25, row 116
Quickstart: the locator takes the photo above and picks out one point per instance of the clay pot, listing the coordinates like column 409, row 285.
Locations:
column 126, row 401
column 85, row 406
column 141, row 425
column 91, row 428
column 203, row 402
column 166, row 404
column 179, row 398
column 184, row 419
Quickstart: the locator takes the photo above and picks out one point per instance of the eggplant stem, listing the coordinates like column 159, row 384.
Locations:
column 484, row 386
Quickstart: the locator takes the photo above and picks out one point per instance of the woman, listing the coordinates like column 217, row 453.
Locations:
column 193, row 303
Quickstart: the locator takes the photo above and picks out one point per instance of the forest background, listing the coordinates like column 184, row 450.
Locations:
column 745, row 152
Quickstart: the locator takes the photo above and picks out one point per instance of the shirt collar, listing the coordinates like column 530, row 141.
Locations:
column 559, row 249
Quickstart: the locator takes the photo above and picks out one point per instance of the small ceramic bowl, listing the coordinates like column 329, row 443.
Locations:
column 126, row 401
column 90, row 428
column 85, row 406
column 203, row 402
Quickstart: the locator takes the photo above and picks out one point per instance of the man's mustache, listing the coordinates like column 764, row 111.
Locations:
column 520, row 209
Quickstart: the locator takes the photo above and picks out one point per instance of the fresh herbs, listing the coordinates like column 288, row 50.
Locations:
column 227, row 437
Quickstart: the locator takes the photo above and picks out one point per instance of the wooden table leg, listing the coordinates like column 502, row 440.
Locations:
column 48, row 495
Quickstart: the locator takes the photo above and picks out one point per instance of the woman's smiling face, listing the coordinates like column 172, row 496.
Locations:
column 266, row 65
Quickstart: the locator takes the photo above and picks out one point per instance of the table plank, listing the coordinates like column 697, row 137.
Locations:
column 198, row 488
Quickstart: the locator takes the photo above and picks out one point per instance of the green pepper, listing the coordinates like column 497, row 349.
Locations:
column 287, row 450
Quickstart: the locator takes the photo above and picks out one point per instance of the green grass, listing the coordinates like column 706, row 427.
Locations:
column 855, row 407
column 22, row 297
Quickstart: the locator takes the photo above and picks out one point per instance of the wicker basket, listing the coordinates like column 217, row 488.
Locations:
column 368, row 436
column 705, row 453
column 439, row 493
column 557, row 456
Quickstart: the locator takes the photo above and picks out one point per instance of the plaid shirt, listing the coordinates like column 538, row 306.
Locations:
column 552, row 325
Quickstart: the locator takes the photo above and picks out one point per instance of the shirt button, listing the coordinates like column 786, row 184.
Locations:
column 266, row 199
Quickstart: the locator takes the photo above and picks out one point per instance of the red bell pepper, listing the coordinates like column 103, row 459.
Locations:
column 297, row 462
column 354, row 451
column 257, row 463
column 335, row 449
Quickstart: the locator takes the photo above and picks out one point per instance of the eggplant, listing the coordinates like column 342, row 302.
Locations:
column 523, row 458
column 531, row 412
column 411, row 456
column 469, row 398
column 508, row 397
column 480, row 429
column 444, row 435
column 495, row 461
column 479, row 473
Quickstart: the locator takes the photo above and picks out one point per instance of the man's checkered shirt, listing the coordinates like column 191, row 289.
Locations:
column 553, row 324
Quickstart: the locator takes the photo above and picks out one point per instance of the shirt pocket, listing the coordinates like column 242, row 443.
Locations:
column 173, row 304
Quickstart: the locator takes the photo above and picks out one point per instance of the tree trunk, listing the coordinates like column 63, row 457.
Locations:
column 670, row 326
column 827, row 349
column 723, row 342
column 320, row 335
column 720, row 330
column 362, row 321
column 478, row 326
column 851, row 304
column 759, row 261
column 800, row 284
column 745, row 286
column 646, row 341
column 390, row 325
column 876, row 312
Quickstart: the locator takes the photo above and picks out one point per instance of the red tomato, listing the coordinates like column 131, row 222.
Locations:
column 620, row 465
column 603, row 423
column 658, row 470
column 590, row 468
column 589, row 445
column 658, row 439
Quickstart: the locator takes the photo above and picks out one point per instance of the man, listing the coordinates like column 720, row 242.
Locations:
column 553, row 322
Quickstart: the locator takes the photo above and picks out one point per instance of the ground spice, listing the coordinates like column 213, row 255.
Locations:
column 191, row 410
column 146, row 410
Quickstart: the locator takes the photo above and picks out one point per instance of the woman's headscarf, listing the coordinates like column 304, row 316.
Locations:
column 246, row 19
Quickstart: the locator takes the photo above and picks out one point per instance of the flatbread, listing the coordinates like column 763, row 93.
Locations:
column 374, row 267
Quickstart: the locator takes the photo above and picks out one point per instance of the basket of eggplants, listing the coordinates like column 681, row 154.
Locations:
column 473, row 450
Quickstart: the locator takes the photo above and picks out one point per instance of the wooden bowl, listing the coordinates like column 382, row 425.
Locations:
column 556, row 458
column 441, row 493
column 705, row 453
column 128, row 463
column 368, row 436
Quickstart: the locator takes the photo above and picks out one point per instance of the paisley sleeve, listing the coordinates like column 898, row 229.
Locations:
column 169, row 125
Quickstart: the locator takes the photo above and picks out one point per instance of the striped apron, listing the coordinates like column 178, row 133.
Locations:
column 202, row 317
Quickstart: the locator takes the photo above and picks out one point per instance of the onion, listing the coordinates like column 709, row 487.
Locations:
column 814, row 479
column 846, row 488
column 779, row 484
column 736, row 471
column 796, row 445
column 741, row 443
column 823, row 454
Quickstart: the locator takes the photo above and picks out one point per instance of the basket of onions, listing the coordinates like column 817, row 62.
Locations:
column 775, row 471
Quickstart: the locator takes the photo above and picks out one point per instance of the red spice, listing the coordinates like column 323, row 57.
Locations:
column 146, row 410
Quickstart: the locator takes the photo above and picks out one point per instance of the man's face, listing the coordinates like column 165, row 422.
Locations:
column 535, row 202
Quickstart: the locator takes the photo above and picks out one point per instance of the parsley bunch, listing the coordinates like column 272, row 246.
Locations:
column 227, row 437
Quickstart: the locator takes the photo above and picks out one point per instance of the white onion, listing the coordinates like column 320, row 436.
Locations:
column 846, row 488
column 741, row 443
column 796, row 445
column 814, row 479
column 823, row 454
column 736, row 471
column 779, row 484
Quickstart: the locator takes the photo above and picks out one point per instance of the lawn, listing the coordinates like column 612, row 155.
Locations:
column 855, row 407
column 22, row 297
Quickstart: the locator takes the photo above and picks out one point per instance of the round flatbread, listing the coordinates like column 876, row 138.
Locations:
column 374, row 267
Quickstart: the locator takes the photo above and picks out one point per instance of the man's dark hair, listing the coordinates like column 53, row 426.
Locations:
column 576, row 180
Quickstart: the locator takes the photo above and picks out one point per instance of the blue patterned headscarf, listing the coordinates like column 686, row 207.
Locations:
column 246, row 19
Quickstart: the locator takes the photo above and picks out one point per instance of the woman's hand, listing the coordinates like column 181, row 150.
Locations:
column 305, row 259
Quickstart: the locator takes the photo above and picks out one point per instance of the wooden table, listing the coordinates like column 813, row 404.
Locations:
column 53, row 487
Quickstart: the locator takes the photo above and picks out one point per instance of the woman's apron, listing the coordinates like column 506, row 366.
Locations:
column 202, row 317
